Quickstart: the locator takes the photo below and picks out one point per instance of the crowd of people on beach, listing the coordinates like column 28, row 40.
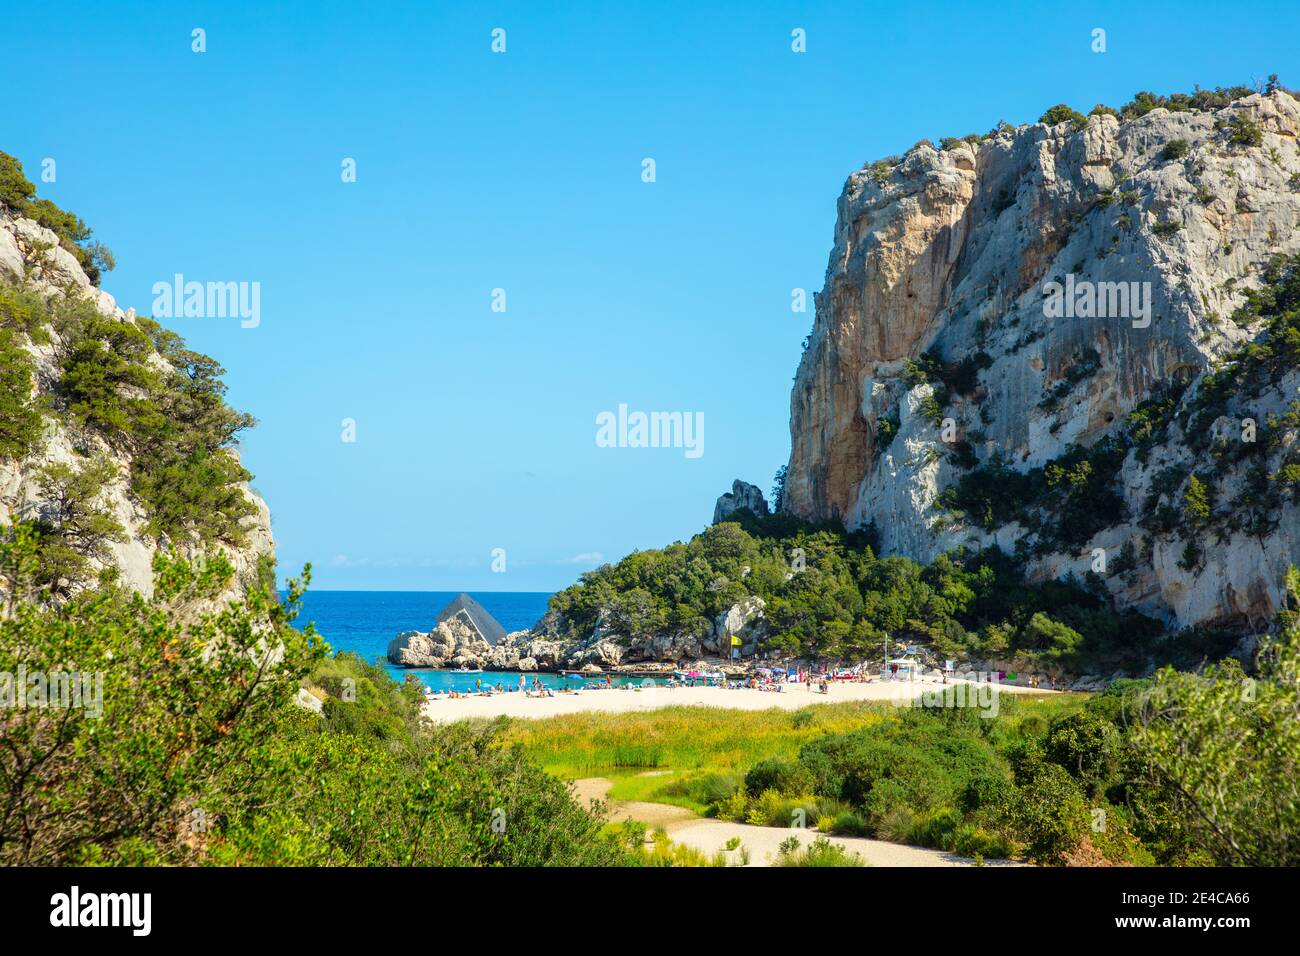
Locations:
column 765, row 679
column 771, row 680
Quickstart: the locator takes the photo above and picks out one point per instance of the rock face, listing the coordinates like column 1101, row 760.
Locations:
column 742, row 495
column 451, row 643
column 743, row 620
column 949, row 252
column 30, row 255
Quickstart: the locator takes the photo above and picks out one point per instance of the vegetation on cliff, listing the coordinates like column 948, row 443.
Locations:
column 124, row 390
column 18, row 193
column 829, row 597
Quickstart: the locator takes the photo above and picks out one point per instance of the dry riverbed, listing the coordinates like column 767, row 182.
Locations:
column 708, row 836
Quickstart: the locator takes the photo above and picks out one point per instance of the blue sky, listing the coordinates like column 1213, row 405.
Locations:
column 475, row 430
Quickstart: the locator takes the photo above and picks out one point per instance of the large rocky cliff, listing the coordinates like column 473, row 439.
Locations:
column 938, row 352
column 33, row 261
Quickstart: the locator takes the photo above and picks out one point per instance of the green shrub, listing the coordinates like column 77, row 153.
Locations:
column 849, row 824
column 76, row 524
column 20, row 417
column 821, row 852
column 1048, row 813
column 976, row 842
column 1085, row 744
column 773, row 809
column 1243, row 132
column 1175, row 149
column 1061, row 113
column 935, row 828
column 783, row 776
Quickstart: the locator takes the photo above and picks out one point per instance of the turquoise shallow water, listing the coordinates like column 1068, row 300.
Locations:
column 365, row 621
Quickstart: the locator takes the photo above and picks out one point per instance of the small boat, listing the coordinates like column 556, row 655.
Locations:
column 468, row 670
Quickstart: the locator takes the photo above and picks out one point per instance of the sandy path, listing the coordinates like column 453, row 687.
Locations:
column 709, row 836
column 446, row 710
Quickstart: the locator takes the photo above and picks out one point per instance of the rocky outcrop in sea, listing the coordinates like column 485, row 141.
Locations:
column 453, row 643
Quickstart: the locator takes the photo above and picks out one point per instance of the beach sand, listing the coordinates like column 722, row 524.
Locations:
column 619, row 700
column 709, row 836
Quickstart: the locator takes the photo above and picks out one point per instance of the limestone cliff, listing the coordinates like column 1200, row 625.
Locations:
column 33, row 262
column 952, row 252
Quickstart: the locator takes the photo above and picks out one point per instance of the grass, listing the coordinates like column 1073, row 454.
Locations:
column 655, row 848
column 707, row 750
column 821, row 853
column 697, row 757
column 680, row 738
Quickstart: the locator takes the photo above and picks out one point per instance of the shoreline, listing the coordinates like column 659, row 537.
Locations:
column 638, row 699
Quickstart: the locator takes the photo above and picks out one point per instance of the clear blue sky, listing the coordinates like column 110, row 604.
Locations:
column 476, row 430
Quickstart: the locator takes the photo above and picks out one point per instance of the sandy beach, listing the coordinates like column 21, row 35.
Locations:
column 621, row 700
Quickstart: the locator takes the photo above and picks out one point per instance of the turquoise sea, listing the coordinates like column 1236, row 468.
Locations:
column 365, row 621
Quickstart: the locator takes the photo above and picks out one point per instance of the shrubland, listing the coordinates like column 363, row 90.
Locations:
column 198, row 753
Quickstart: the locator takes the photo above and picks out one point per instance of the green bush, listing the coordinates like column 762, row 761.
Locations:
column 773, row 809
column 1061, row 113
column 1243, row 132
column 1175, row 149
column 974, row 841
column 784, row 776
column 76, row 525
column 20, row 417
column 821, row 852
column 1048, row 813
column 936, row 828
column 1085, row 744
column 851, row 824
